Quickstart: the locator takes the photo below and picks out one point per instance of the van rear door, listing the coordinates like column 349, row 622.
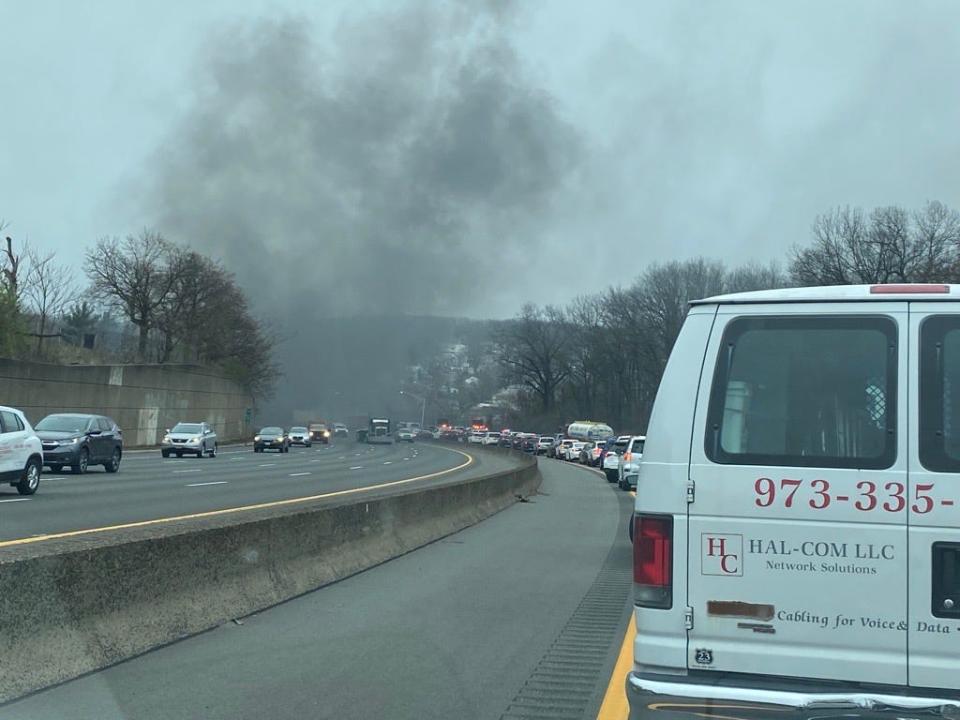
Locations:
column 934, row 497
column 797, row 552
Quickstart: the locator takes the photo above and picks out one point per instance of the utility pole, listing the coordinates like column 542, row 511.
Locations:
column 423, row 404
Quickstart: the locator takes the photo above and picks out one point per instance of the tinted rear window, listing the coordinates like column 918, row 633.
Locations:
column 813, row 391
column 940, row 393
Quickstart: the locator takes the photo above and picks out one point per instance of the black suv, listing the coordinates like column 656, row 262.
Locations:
column 79, row 441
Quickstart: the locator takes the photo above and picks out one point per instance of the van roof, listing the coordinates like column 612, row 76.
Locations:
column 840, row 293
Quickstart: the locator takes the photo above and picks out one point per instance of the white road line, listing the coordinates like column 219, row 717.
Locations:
column 357, row 467
column 316, row 460
column 406, row 458
column 235, row 459
column 267, row 465
column 15, row 500
column 218, row 482
column 300, row 474
column 342, row 457
column 388, row 462
column 181, row 472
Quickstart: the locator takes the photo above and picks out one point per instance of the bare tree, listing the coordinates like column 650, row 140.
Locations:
column 191, row 305
column 135, row 276
column 533, row 351
column 888, row 245
column 11, row 267
column 48, row 289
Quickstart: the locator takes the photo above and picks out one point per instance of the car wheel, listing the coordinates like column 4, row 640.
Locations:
column 56, row 468
column 82, row 462
column 114, row 464
column 30, row 480
column 165, row 453
column 213, row 453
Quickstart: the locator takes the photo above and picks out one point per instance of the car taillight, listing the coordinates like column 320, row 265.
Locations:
column 653, row 561
column 627, row 457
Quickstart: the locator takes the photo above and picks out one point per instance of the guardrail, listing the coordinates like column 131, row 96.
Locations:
column 75, row 606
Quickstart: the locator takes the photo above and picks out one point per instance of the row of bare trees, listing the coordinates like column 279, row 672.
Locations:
column 182, row 306
column 602, row 356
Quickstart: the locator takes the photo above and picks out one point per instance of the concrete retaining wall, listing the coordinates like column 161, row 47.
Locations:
column 144, row 400
column 91, row 602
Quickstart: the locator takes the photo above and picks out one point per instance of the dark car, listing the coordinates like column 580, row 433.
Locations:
column 78, row 440
column 271, row 438
column 529, row 443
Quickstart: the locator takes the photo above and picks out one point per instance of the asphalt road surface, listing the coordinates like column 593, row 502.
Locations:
column 519, row 616
column 148, row 487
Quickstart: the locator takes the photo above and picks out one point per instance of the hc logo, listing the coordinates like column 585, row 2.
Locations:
column 722, row 554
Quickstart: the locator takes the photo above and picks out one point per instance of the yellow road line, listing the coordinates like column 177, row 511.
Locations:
column 614, row 706
column 242, row 508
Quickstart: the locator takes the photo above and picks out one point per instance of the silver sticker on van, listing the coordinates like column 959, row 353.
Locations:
column 721, row 554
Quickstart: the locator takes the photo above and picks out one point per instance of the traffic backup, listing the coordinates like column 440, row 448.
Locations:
column 797, row 538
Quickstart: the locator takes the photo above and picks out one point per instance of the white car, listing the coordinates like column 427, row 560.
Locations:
column 300, row 436
column 629, row 468
column 611, row 461
column 407, row 434
column 563, row 447
column 544, row 443
column 21, row 452
column 797, row 520
column 476, row 437
column 571, row 452
column 490, row 438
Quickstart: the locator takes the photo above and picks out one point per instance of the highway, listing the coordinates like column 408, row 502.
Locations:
column 520, row 616
column 149, row 487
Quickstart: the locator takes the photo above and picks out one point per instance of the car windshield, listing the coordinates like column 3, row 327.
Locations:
column 63, row 423
column 271, row 431
column 186, row 428
column 298, row 429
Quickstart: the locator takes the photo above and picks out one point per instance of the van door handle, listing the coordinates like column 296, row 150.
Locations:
column 945, row 574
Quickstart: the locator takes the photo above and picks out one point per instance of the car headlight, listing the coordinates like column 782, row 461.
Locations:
column 256, row 438
column 71, row 441
column 326, row 433
column 166, row 438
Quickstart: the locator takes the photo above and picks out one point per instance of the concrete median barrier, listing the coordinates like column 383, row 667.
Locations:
column 77, row 605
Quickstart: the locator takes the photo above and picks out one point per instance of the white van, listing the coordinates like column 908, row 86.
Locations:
column 797, row 519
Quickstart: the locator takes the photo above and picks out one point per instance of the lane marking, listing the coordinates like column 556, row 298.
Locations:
column 181, row 472
column 388, row 462
column 300, row 474
column 18, row 500
column 357, row 467
column 217, row 482
column 243, row 508
column 615, row 705
column 342, row 457
column 267, row 465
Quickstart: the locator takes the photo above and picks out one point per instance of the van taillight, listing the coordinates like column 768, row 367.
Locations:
column 653, row 560
column 908, row 289
column 627, row 457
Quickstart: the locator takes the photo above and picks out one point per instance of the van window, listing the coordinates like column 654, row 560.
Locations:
column 814, row 391
column 940, row 393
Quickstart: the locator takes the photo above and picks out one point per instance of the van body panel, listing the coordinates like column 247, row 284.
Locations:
column 795, row 568
column 662, row 484
column 934, row 493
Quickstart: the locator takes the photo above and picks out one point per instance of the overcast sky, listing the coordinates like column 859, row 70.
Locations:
column 464, row 157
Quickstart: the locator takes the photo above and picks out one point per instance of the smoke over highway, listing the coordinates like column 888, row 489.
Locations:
column 399, row 167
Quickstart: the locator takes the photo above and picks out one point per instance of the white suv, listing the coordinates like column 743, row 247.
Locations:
column 21, row 452
column 797, row 524
column 629, row 467
column 611, row 460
